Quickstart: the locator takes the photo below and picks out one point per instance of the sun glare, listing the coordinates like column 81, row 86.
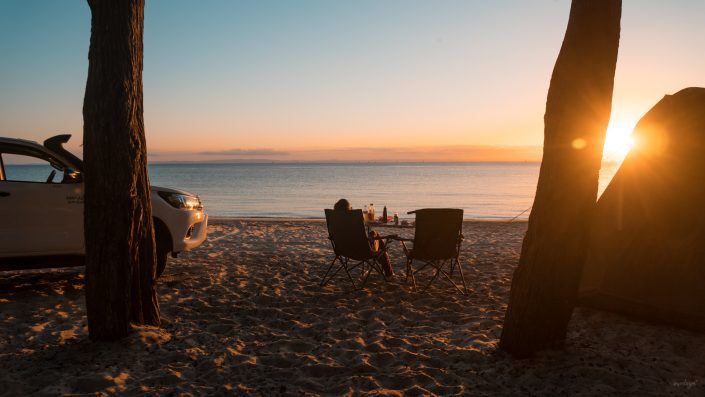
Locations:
column 618, row 141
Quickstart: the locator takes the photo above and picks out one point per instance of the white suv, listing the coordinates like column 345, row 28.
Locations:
column 41, row 209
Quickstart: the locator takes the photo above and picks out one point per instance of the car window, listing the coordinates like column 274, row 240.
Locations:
column 26, row 168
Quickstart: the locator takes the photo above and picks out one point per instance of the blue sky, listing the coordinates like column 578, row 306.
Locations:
column 334, row 79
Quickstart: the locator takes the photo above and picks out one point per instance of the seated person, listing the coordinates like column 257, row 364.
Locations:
column 344, row 205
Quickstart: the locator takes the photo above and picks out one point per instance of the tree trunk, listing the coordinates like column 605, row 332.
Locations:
column 120, row 255
column 545, row 284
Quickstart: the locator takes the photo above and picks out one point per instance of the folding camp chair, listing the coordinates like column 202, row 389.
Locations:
column 352, row 247
column 436, row 244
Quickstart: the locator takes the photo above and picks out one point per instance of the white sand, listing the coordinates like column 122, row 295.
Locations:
column 244, row 315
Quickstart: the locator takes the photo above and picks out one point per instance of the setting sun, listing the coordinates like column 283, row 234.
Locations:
column 619, row 140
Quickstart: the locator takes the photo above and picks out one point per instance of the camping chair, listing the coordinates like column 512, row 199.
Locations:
column 352, row 247
column 436, row 244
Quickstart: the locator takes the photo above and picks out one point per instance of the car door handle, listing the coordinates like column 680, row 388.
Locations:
column 4, row 194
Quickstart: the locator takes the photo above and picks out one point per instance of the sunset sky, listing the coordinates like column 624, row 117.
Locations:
column 333, row 80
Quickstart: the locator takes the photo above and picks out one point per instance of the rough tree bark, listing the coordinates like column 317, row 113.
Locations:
column 545, row 284
column 120, row 256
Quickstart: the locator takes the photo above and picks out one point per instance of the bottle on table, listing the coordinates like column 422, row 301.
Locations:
column 371, row 212
column 365, row 213
column 384, row 214
column 396, row 219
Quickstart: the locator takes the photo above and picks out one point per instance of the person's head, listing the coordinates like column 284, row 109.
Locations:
column 342, row 205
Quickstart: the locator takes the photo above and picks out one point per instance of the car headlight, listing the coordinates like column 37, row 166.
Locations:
column 183, row 201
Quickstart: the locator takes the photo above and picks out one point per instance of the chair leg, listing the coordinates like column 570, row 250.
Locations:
column 364, row 281
column 435, row 276
column 453, row 262
column 460, row 270
column 450, row 280
column 412, row 272
column 366, row 268
column 323, row 281
column 347, row 271
column 438, row 266
column 343, row 265
column 408, row 270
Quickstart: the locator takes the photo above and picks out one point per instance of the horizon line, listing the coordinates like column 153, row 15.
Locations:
column 348, row 162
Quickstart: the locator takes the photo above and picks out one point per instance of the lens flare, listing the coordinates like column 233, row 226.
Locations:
column 618, row 141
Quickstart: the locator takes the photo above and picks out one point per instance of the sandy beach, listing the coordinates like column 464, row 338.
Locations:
column 244, row 315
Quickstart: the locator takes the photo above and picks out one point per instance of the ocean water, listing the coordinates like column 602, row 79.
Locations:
column 498, row 191
column 495, row 191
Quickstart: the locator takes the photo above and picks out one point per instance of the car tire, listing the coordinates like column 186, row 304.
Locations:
column 163, row 241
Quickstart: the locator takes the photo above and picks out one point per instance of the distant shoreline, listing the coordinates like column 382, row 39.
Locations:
column 302, row 162
column 346, row 162
column 273, row 219
column 333, row 162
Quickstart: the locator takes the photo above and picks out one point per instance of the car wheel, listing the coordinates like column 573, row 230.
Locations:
column 163, row 247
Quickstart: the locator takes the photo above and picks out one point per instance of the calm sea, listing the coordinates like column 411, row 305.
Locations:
column 499, row 191
column 483, row 190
